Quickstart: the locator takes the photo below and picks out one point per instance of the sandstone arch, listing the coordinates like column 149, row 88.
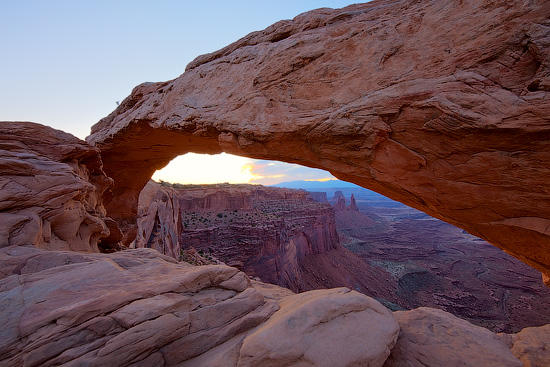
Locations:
column 442, row 105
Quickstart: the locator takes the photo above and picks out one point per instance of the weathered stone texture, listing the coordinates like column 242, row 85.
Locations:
column 52, row 189
column 442, row 105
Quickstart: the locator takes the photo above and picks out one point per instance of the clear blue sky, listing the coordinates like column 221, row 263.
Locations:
column 65, row 63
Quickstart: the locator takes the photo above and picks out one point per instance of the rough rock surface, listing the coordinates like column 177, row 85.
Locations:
column 435, row 338
column 532, row 346
column 52, row 188
column 141, row 308
column 131, row 307
column 323, row 328
column 159, row 220
column 440, row 104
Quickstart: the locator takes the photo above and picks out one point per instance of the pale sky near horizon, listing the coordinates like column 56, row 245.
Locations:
column 65, row 63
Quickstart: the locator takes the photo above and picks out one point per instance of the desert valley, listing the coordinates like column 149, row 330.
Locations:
column 431, row 249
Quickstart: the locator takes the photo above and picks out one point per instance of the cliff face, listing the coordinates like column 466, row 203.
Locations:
column 457, row 128
column 159, row 220
column 264, row 231
column 52, row 189
column 281, row 236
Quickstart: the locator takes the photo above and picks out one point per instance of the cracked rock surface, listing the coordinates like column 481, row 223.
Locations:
column 141, row 308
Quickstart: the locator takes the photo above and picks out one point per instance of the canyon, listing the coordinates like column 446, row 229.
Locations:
column 381, row 248
column 280, row 236
column 457, row 128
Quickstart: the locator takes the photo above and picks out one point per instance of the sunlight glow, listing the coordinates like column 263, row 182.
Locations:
column 322, row 179
column 206, row 169
column 194, row 168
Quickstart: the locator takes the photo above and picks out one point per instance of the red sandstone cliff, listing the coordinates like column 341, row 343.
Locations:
column 159, row 220
column 281, row 236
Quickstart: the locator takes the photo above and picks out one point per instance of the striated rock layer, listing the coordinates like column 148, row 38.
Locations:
column 140, row 308
column 279, row 235
column 440, row 104
column 52, row 190
column 159, row 220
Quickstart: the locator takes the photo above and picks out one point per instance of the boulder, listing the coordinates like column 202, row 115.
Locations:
column 532, row 346
column 435, row 338
column 439, row 104
column 53, row 189
column 333, row 327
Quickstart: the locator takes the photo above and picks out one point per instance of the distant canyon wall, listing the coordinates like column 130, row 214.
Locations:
column 266, row 232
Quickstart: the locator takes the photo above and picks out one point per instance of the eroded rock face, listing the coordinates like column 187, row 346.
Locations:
column 442, row 105
column 134, row 306
column 433, row 338
column 159, row 220
column 52, row 189
column 279, row 235
column 532, row 346
column 141, row 308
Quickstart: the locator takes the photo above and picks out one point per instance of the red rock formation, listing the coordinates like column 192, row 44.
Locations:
column 320, row 197
column 439, row 104
column 353, row 204
column 159, row 221
column 265, row 231
column 279, row 235
column 52, row 190
column 338, row 201
column 140, row 308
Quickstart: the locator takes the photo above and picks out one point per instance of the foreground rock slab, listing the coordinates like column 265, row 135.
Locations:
column 131, row 308
column 52, row 189
column 440, row 104
column 435, row 338
column 141, row 308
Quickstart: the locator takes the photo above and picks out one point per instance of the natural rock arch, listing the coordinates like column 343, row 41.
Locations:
column 442, row 105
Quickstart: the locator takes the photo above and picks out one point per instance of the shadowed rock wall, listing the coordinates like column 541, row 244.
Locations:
column 52, row 189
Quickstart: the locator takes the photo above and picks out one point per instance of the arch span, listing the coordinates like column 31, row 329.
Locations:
column 442, row 105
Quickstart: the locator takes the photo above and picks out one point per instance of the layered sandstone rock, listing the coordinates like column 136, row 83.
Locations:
column 52, row 189
column 159, row 220
column 439, row 104
column 434, row 338
column 532, row 346
column 140, row 308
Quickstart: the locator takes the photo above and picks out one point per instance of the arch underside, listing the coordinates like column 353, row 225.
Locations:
column 394, row 96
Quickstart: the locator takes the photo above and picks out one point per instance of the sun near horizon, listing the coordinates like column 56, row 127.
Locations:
column 193, row 168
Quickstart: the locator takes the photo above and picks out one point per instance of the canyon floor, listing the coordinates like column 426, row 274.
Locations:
column 384, row 249
column 435, row 264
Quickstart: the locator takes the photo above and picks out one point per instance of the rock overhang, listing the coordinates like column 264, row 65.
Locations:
column 438, row 104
